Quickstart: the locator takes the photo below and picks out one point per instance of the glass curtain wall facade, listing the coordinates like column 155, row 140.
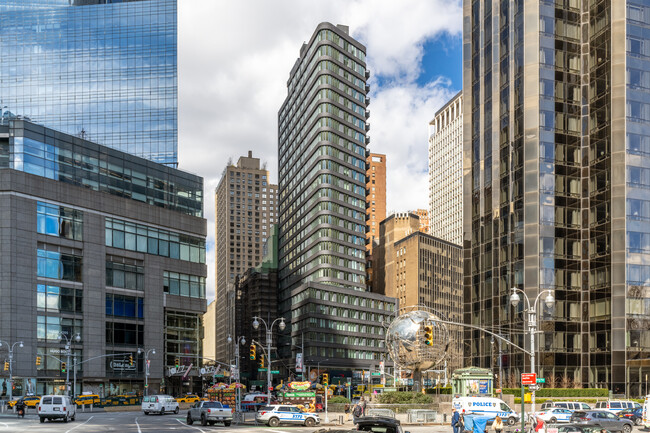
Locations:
column 555, row 125
column 322, row 197
column 101, row 70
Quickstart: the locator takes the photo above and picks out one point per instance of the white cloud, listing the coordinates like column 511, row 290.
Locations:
column 234, row 62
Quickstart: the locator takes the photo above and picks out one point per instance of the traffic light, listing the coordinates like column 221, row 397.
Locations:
column 428, row 335
column 326, row 379
column 6, row 366
column 261, row 361
column 38, row 360
column 63, row 367
column 177, row 362
column 130, row 359
column 252, row 352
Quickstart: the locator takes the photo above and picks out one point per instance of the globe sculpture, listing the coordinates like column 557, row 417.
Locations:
column 407, row 345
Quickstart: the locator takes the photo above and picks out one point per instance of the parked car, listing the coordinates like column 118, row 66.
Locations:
column 603, row 419
column 615, row 406
column 634, row 415
column 555, row 415
column 573, row 405
column 87, row 399
column 572, row 428
column 159, row 404
column 547, row 405
column 486, row 406
column 56, row 407
column 209, row 412
column 273, row 415
column 379, row 425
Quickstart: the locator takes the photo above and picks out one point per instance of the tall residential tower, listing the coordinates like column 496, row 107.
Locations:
column 556, row 149
column 246, row 207
column 97, row 69
column 322, row 191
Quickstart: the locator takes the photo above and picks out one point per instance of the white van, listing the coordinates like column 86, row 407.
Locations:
column 56, row 406
column 487, row 406
column 159, row 404
column 646, row 412
column 615, row 406
column 573, row 405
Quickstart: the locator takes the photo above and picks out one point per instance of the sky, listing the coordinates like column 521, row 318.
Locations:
column 234, row 59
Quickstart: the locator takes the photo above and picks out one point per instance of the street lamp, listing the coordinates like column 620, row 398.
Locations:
column 269, row 329
column 68, row 341
column 549, row 300
column 146, row 366
column 325, row 389
column 242, row 341
column 11, row 358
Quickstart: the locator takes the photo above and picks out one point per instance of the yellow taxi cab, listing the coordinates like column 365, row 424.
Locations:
column 29, row 401
column 87, row 399
column 189, row 398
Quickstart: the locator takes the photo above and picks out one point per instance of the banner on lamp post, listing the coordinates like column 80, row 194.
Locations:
column 299, row 362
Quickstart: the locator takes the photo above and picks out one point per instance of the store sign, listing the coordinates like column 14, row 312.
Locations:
column 122, row 365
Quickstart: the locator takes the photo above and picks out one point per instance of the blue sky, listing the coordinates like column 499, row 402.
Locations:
column 443, row 56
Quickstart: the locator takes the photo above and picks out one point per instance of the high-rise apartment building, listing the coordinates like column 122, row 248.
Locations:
column 376, row 196
column 102, row 244
column 246, row 207
column 322, row 191
column 420, row 270
column 97, row 69
column 557, row 149
column 446, row 172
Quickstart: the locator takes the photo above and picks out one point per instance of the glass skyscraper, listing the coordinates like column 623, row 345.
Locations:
column 98, row 69
column 556, row 148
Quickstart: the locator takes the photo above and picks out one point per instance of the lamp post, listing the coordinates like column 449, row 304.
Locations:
column 146, row 366
column 68, row 341
column 11, row 359
column 549, row 300
column 269, row 329
column 325, row 389
column 241, row 340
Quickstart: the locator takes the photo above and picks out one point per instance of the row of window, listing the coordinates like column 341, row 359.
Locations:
column 59, row 221
column 137, row 237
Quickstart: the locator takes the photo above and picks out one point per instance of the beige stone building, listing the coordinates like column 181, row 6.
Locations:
column 418, row 269
column 246, row 207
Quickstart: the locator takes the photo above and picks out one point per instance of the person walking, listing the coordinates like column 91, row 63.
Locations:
column 455, row 420
column 497, row 425
column 362, row 403
column 346, row 409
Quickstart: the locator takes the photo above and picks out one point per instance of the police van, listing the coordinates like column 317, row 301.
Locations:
column 646, row 412
column 486, row 406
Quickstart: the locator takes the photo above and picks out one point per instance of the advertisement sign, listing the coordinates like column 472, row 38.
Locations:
column 299, row 362
column 483, row 386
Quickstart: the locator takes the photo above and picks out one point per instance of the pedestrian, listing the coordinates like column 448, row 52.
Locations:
column 497, row 425
column 357, row 412
column 455, row 420
column 346, row 409
column 362, row 403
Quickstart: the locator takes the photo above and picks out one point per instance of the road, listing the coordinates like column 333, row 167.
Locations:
column 137, row 422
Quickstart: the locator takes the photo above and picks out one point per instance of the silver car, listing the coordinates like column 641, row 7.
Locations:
column 275, row 414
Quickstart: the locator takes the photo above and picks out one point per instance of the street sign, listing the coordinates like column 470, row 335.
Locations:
column 533, row 387
column 528, row 378
column 541, row 380
column 275, row 371
column 375, row 373
column 261, row 369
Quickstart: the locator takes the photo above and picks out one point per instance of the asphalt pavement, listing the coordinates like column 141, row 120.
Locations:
column 137, row 422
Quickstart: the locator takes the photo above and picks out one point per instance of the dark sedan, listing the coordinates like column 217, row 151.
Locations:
column 634, row 415
column 602, row 419
column 573, row 428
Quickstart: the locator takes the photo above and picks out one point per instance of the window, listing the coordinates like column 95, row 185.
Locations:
column 124, row 276
column 49, row 327
column 124, row 306
column 59, row 221
column 145, row 239
column 59, row 299
column 124, row 333
column 175, row 283
column 60, row 266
